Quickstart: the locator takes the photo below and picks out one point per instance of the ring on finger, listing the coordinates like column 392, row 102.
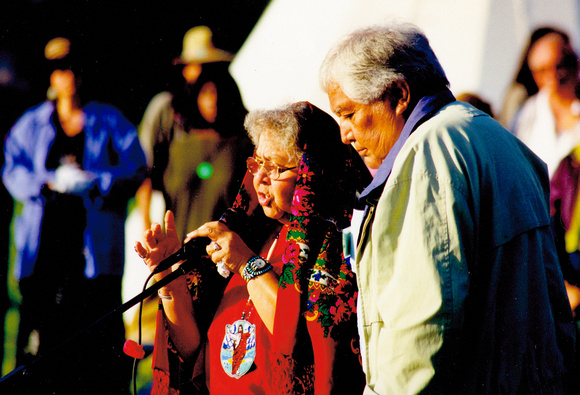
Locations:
column 142, row 256
column 215, row 246
column 222, row 269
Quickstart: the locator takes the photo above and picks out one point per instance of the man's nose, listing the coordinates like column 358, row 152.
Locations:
column 346, row 135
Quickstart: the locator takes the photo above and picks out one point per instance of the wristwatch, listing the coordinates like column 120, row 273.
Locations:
column 255, row 267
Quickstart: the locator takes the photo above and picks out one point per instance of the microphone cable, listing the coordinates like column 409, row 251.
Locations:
column 139, row 335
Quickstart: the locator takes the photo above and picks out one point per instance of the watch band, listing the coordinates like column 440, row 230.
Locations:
column 251, row 271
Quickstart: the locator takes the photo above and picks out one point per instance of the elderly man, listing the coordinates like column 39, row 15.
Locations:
column 460, row 286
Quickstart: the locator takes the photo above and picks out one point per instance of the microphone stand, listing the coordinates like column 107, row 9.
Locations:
column 11, row 380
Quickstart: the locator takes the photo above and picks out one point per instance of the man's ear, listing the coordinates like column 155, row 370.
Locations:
column 404, row 98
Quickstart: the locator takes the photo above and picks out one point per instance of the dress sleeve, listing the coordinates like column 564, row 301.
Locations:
column 171, row 374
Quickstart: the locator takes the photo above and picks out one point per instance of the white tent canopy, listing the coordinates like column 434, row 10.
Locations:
column 478, row 42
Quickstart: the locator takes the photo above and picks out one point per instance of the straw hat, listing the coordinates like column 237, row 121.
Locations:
column 57, row 48
column 61, row 54
column 198, row 48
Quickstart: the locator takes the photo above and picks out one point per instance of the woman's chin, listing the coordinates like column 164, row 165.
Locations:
column 279, row 215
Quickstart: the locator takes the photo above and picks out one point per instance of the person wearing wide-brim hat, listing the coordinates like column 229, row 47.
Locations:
column 198, row 49
column 190, row 106
column 194, row 140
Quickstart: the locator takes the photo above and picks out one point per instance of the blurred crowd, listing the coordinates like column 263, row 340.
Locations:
column 74, row 168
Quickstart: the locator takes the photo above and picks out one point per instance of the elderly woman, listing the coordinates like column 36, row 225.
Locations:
column 286, row 319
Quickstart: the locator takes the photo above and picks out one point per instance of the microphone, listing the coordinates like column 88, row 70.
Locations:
column 195, row 248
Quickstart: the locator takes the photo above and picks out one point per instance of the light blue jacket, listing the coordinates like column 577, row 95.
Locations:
column 460, row 286
column 112, row 151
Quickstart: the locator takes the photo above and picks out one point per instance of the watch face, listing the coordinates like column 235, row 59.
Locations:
column 259, row 263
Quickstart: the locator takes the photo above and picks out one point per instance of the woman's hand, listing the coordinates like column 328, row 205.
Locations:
column 159, row 245
column 175, row 296
column 232, row 251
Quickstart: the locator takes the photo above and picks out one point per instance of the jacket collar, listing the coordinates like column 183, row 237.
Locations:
column 425, row 109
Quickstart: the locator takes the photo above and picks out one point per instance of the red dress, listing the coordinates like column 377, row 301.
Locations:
column 231, row 309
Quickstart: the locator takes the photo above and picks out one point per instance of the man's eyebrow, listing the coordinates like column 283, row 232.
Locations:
column 343, row 107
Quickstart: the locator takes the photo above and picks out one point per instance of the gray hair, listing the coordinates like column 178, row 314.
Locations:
column 281, row 127
column 369, row 61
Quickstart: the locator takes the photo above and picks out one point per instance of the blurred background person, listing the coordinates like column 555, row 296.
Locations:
column 196, row 148
column 72, row 165
column 193, row 137
column 476, row 101
column 548, row 121
column 523, row 85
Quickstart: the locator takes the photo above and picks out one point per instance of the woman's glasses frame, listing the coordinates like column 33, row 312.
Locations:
column 272, row 170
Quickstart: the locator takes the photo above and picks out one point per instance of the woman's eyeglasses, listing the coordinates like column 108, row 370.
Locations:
column 272, row 170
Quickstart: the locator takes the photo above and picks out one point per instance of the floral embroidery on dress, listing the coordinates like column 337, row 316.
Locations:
column 331, row 291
